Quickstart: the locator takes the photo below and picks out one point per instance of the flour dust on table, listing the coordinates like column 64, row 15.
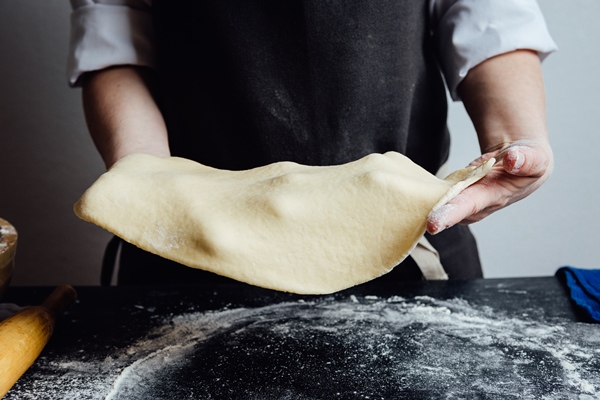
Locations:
column 359, row 348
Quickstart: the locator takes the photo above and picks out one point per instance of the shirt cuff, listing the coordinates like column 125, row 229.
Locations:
column 471, row 31
column 106, row 35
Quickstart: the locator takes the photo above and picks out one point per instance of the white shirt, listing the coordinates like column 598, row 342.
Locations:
column 466, row 32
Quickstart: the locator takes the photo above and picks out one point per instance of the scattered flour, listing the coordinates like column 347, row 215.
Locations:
column 364, row 347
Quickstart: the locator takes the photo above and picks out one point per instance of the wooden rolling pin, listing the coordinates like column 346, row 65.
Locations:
column 24, row 335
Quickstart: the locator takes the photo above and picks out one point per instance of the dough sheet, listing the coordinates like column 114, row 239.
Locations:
column 284, row 226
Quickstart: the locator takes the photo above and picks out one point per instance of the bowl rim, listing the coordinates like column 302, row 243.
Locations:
column 8, row 235
column 8, row 247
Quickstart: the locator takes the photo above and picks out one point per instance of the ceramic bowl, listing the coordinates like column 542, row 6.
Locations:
column 8, row 248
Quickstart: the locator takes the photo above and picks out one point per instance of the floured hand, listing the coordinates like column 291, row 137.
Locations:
column 521, row 168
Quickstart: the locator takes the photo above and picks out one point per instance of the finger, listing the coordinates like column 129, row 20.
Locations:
column 437, row 220
column 471, row 205
column 526, row 160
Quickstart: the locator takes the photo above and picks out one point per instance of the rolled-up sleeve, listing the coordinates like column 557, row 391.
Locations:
column 467, row 32
column 108, row 33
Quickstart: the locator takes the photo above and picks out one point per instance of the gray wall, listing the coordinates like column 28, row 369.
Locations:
column 46, row 156
column 47, row 159
column 558, row 224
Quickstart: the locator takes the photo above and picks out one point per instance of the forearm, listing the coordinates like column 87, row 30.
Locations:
column 505, row 99
column 122, row 114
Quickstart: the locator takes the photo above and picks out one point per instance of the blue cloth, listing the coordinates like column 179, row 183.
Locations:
column 584, row 288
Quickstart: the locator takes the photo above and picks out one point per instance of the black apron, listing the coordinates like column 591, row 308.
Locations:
column 245, row 83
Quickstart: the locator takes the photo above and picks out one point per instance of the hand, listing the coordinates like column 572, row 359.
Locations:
column 521, row 168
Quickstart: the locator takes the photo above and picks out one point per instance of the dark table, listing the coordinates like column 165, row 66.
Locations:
column 494, row 338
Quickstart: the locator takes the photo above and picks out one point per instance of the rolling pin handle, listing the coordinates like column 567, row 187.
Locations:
column 60, row 299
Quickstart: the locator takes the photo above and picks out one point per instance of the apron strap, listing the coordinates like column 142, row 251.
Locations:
column 109, row 261
column 424, row 254
column 428, row 260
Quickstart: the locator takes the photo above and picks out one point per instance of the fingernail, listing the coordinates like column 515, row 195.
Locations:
column 438, row 230
column 519, row 161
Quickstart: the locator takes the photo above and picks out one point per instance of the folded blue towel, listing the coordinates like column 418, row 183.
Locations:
column 584, row 287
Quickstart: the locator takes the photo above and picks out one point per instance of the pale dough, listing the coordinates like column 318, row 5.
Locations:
column 285, row 226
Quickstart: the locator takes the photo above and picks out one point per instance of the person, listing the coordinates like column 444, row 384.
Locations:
column 239, row 84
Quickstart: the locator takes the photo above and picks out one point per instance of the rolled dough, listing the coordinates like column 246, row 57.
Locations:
column 284, row 226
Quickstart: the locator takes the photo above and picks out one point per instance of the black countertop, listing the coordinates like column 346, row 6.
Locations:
column 494, row 338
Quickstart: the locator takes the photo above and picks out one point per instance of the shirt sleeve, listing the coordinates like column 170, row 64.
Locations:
column 468, row 32
column 109, row 32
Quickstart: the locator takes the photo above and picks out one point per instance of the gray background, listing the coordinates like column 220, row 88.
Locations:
column 47, row 159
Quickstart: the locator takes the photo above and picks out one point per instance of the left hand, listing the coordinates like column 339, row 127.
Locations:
column 521, row 168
